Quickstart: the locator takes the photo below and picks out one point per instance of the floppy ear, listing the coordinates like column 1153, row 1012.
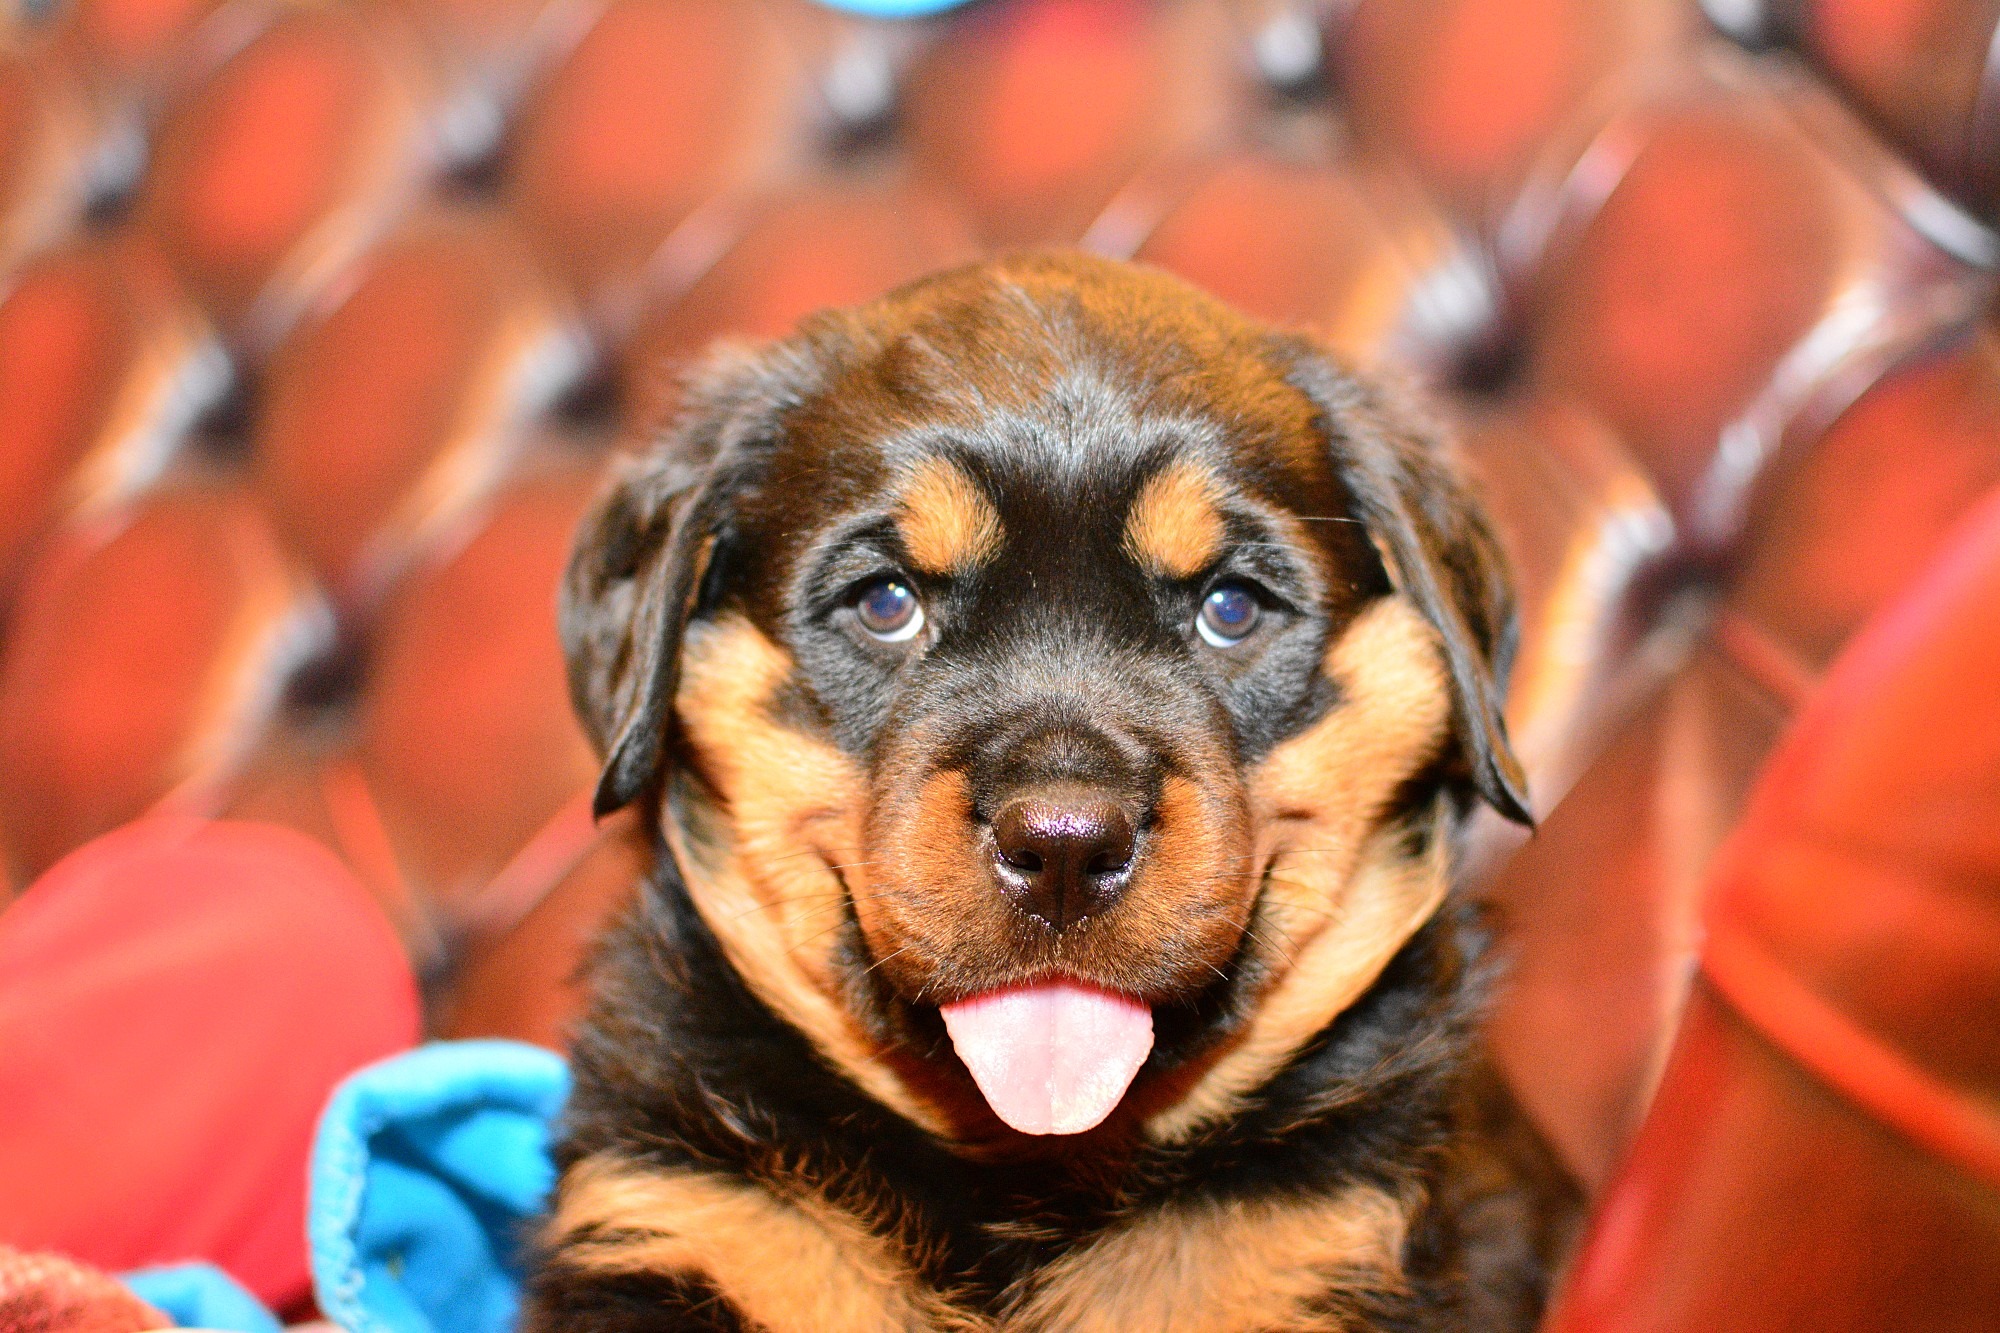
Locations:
column 640, row 560
column 1437, row 547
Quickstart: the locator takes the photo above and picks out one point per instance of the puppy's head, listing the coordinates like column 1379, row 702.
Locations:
column 1047, row 657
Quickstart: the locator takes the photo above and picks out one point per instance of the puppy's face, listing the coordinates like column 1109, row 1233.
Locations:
column 1047, row 658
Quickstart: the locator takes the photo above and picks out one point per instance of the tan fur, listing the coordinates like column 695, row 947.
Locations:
column 1340, row 899
column 948, row 525
column 931, row 889
column 1174, row 529
column 1242, row 1267
column 793, row 807
column 1194, row 883
column 791, row 1265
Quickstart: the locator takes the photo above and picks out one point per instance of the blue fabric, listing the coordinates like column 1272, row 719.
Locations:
column 894, row 9
column 427, row 1169
column 200, row 1296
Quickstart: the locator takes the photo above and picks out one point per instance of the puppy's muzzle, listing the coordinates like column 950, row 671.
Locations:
column 1063, row 853
column 1065, row 805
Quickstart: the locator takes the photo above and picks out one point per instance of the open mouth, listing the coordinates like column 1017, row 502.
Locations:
column 1054, row 1056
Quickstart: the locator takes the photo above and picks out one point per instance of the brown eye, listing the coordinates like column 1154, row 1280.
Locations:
column 889, row 611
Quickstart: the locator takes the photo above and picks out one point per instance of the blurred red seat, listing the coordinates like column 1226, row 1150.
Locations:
column 46, row 129
column 390, row 414
column 177, row 1000
column 465, row 739
column 833, row 242
column 1602, row 903
column 1599, row 906
column 103, row 367
column 133, row 47
column 1924, row 70
column 1697, row 314
column 271, row 176
column 1583, row 531
column 1825, row 1149
column 1467, row 92
column 1340, row 247
column 1036, row 113
column 520, row 972
column 664, row 105
column 1862, row 511
column 146, row 652
column 501, row 39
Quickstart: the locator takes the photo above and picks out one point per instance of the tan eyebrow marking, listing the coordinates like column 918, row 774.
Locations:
column 947, row 524
column 1174, row 529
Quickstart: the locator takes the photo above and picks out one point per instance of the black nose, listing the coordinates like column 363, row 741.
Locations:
column 1064, row 855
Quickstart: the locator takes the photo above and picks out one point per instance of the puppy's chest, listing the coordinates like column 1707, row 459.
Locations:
column 790, row 1261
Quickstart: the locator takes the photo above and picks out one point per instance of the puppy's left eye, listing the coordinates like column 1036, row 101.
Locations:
column 1227, row 616
column 889, row 611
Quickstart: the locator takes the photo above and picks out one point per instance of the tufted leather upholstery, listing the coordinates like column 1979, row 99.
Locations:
column 318, row 323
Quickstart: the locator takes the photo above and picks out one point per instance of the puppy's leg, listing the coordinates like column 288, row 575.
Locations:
column 637, row 1245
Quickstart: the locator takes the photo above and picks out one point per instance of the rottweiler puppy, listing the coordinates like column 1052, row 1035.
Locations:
column 1057, row 697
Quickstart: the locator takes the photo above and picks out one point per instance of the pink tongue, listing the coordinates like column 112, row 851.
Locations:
column 1052, row 1058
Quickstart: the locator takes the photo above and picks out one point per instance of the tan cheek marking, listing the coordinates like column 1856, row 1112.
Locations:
column 947, row 524
column 1174, row 529
column 1196, row 884
column 930, row 899
column 1222, row 1269
column 793, row 805
column 1343, row 771
column 1342, row 898
column 1332, row 961
column 790, row 1266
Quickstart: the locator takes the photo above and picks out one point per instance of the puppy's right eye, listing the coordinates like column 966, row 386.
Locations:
column 889, row 610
